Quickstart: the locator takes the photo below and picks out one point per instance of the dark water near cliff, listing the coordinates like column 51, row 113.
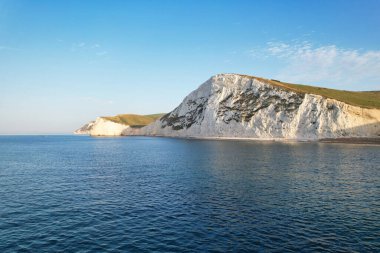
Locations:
column 73, row 193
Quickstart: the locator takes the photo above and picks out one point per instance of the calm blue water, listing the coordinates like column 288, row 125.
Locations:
column 135, row 194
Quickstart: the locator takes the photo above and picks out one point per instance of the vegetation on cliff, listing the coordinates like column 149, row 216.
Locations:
column 134, row 120
column 365, row 99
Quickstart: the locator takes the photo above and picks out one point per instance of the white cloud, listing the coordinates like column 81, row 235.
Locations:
column 302, row 62
column 92, row 48
column 84, row 45
column 81, row 44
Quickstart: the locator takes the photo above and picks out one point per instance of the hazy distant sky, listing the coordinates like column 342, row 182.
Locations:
column 62, row 63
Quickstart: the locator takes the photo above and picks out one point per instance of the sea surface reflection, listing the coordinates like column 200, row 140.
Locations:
column 141, row 194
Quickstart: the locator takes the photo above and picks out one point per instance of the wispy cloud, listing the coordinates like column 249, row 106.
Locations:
column 79, row 46
column 102, row 53
column 304, row 62
column 91, row 48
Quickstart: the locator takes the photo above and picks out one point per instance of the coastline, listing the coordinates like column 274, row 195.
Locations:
column 346, row 140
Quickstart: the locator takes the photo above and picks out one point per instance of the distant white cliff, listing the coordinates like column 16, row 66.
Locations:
column 116, row 125
column 85, row 129
column 102, row 127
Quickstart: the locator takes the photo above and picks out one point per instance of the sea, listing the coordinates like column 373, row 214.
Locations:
column 69, row 193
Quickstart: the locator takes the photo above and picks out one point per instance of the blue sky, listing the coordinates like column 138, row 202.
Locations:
column 63, row 63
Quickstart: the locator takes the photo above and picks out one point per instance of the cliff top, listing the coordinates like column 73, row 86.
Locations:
column 365, row 99
column 134, row 120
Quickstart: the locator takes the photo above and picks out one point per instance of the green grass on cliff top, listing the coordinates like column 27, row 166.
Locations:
column 134, row 120
column 366, row 99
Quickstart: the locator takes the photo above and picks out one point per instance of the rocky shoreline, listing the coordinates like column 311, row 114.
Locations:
column 355, row 140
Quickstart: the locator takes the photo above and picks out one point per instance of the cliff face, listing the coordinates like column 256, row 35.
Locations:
column 116, row 125
column 85, row 129
column 102, row 127
column 229, row 105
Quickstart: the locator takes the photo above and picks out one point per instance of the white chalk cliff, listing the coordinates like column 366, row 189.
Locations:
column 231, row 105
column 85, row 129
column 102, row 127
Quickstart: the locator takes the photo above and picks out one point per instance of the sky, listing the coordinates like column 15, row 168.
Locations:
column 63, row 63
